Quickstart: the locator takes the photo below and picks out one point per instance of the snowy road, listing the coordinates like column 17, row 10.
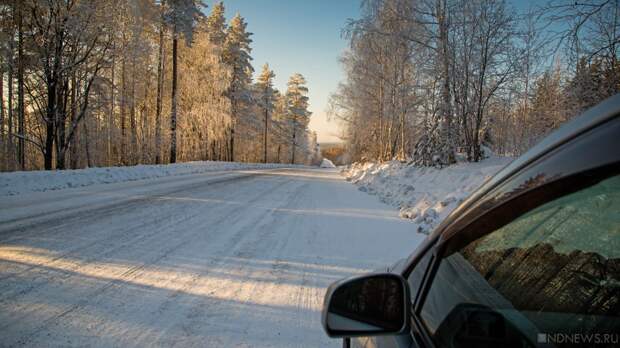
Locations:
column 223, row 259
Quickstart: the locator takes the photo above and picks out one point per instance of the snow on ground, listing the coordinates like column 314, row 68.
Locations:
column 327, row 163
column 37, row 181
column 219, row 259
column 425, row 195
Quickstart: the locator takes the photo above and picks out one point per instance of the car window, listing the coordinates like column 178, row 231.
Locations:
column 552, row 274
column 417, row 274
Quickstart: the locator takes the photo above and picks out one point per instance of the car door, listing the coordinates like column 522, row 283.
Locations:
column 419, row 263
column 538, row 263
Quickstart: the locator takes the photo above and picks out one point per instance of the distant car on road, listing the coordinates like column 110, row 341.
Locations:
column 532, row 258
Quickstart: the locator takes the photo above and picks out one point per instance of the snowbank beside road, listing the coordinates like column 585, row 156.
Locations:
column 15, row 183
column 425, row 195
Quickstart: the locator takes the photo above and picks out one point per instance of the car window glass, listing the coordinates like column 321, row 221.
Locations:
column 416, row 276
column 553, row 272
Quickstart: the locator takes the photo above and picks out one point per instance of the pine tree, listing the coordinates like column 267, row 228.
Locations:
column 160, row 85
column 182, row 16
column 546, row 104
column 237, row 57
column 266, row 100
column 216, row 24
column 297, row 113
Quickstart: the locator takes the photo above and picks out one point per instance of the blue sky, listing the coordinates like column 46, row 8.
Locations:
column 305, row 36
column 299, row 36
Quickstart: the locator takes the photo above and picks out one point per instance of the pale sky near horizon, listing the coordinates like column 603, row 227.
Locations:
column 299, row 36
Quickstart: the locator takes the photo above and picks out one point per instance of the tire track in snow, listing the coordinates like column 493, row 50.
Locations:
column 134, row 272
column 58, row 219
column 232, row 243
column 96, row 215
column 131, row 271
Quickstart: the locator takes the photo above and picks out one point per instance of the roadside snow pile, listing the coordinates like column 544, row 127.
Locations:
column 327, row 163
column 424, row 194
column 15, row 183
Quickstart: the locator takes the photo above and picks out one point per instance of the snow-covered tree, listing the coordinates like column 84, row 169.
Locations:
column 91, row 92
column 181, row 16
column 216, row 24
column 266, row 100
column 237, row 56
column 547, row 105
column 297, row 114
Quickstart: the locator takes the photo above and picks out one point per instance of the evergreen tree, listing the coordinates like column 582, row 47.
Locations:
column 266, row 100
column 297, row 113
column 237, row 57
column 182, row 16
column 216, row 24
column 547, row 104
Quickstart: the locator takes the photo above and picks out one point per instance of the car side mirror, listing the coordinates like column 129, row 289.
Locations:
column 370, row 305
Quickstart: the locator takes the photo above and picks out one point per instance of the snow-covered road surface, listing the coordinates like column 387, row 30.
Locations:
column 219, row 259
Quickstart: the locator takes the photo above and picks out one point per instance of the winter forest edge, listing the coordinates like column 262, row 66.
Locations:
column 116, row 83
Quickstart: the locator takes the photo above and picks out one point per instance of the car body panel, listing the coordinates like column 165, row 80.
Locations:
column 563, row 154
column 592, row 118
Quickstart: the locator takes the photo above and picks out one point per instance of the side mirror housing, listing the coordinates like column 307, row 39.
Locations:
column 370, row 305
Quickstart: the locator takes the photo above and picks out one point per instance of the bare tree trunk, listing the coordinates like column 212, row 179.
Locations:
column 146, row 134
column 50, row 121
column 21, row 152
column 265, row 140
column 122, row 105
column 227, row 147
column 446, row 112
column 206, row 143
column 132, row 113
column 381, row 135
column 76, row 138
column 112, row 109
column 61, row 120
column 3, row 139
column 480, row 107
column 87, row 144
column 293, row 143
column 160, row 83
column 233, row 111
column 173, row 113
column 388, row 144
column 11, row 157
column 231, row 156
column 402, row 136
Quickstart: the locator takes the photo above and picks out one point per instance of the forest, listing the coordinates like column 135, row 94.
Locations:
column 126, row 82
column 431, row 81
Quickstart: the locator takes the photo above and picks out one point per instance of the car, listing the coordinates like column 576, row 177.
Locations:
column 532, row 258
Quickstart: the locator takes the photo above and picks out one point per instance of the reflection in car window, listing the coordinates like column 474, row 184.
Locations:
column 554, row 270
column 417, row 274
